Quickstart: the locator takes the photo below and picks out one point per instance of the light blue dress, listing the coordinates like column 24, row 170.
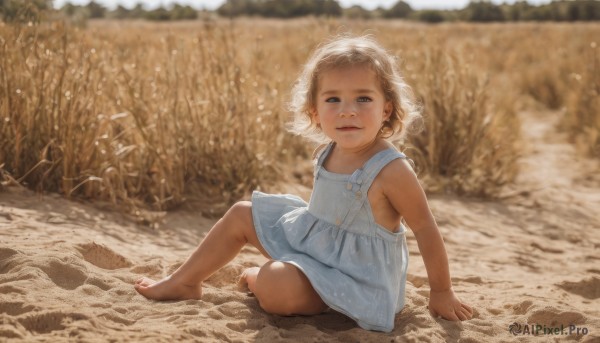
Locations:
column 355, row 265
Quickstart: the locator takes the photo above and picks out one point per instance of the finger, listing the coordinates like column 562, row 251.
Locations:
column 468, row 308
column 462, row 314
column 468, row 313
column 451, row 316
column 459, row 315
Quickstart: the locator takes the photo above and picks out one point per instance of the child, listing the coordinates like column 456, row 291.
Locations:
column 346, row 248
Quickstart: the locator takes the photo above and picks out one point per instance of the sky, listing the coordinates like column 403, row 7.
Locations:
column 212, row 4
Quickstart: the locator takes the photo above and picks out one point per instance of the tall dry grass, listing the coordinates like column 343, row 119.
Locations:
column 469, row 144
column 144, row 114
column 560, row 70
column 582, row 118
column 140, row 119
column 545, row 66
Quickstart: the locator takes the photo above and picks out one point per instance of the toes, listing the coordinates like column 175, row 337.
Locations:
column 247, row 278
column 144, row 281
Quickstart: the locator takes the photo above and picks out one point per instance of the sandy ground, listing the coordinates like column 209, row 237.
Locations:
column 532, row 258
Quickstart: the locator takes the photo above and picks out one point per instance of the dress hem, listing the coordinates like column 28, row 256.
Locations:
column 260, row 235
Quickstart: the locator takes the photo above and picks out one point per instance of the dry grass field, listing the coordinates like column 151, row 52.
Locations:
column 168, row 124
column 144, row 114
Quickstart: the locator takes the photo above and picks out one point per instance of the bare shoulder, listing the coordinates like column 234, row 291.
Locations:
column 402, row 189
column 400, row 184
column 398, row 173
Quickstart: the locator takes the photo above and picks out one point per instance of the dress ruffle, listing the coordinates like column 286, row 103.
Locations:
column 345, row 268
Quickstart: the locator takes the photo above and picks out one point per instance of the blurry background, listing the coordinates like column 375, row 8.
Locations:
column 147, row 105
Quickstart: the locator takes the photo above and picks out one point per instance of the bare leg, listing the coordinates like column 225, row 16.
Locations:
column 223, row 242
column 283, row 289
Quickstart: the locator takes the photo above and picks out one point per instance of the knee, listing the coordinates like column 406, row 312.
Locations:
column 283, row 290
column 240, row 211
column 271, row 293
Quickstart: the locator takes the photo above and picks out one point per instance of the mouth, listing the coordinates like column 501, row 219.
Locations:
column 348, row 128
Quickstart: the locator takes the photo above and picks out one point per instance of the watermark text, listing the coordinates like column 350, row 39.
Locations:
column 539, row 330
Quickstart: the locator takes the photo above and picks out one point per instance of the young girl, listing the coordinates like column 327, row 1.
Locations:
column 346, row 248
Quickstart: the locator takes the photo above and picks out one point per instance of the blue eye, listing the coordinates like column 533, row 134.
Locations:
column 364, row 99
column 333, row 99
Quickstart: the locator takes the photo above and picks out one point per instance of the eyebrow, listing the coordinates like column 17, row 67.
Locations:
column 362, row 91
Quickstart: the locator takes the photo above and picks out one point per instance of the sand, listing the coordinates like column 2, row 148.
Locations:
column 531, row 258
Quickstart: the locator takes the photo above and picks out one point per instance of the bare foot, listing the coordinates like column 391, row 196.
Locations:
column 167, row 289
column 248, row 279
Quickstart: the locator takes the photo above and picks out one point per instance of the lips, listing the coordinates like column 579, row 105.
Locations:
column 348, row 128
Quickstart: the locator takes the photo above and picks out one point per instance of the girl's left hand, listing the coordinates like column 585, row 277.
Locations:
column 446, row 304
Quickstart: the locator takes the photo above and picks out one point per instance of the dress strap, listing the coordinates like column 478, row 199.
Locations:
column 377, row 163
column 361, row 180
column 320, row 156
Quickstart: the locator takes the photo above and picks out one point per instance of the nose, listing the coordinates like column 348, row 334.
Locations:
column 348, row 110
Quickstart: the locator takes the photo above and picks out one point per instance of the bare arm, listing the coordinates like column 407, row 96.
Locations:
column 408, row 198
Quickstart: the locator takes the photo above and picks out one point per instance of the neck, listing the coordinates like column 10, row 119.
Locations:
column 366, row 150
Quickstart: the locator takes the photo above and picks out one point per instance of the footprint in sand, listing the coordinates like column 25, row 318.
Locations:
column 95, row 281
column 196, row 332
column 117, row 319
column 15, row 308
column 5, row 254
column 522, row 307
column 49, row 321
column 5, row 217
column 7, row 289
column 103, row 257
column 11, row 328
column 552, row 317
column 64, row 274
column 588, row 288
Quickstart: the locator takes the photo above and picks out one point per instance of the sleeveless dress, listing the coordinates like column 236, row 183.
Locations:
column 355, row 265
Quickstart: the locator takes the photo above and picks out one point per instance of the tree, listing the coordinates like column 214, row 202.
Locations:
column 400, row 10
column 121, row 13
column 69, row 9
column 137, row 12
column 357, row 12
column 179, row 12
column 519, row 11
column 330, row 8
column 483, row 11
column 96, row 10
column 280, row 8
column 583, row 10
column 430, row 16
column 235, row 8
column 160, row 14
column 23, row 10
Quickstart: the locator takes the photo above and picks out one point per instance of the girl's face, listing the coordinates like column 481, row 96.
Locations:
column 351, row 106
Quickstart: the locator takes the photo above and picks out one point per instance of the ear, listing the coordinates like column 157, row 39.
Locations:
column 387, row 110
column 314, row 115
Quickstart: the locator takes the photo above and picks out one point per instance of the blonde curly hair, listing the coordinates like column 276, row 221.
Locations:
column 346, row 51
